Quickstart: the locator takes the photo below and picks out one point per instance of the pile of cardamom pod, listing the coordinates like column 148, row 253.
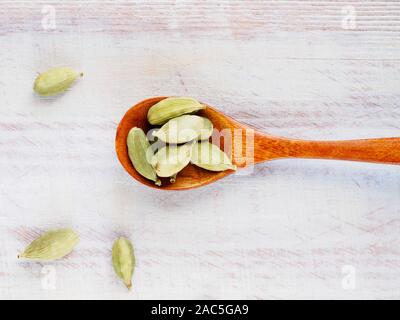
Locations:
column 179, row 137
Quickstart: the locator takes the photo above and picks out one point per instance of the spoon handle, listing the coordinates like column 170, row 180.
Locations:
column 382, row 150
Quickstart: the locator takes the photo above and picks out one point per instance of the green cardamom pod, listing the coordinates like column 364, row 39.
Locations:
column 173, row 107
column 51, row 245
column 170, row 159
column 184, row 129
column 123, row 259
column 55, row 81
column 208, row 156
column 139, row 151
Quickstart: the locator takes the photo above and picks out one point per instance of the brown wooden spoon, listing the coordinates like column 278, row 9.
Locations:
column 266, row 147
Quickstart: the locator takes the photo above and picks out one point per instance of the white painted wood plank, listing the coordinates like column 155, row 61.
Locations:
column 285, row 230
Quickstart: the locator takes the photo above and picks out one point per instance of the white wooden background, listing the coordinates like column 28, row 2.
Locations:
column 289, row 229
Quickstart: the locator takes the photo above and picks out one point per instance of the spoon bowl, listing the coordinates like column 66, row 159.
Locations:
column 191, row 176
column 248, row 147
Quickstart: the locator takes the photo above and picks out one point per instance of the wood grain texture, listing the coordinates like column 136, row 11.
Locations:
column 286, row 229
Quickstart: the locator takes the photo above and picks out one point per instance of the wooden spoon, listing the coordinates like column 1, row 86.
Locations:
column 266, row 147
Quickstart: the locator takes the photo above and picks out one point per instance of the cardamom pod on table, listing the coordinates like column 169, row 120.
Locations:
column 51, row 245
column 123, row 259
column 55, row 81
